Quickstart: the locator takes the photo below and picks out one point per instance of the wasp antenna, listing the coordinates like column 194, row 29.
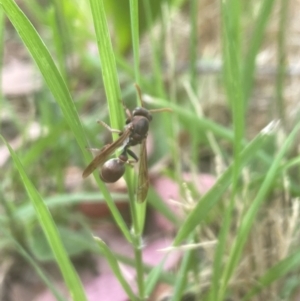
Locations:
column 139, row 92
column 161, row 110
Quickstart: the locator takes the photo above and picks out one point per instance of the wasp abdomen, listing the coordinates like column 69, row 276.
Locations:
column 112, row 170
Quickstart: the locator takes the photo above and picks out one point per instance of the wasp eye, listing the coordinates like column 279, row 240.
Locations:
column 112, row 170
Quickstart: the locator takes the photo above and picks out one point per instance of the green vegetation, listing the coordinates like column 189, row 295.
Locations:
column 251, row 211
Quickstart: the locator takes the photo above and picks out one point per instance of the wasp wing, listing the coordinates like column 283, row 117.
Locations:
column 143, row 180
column 105, row 152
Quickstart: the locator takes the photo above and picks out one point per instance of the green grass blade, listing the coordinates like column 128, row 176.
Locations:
column 153, row 277
column 2, row 19
column 108, row 66
column 134, row 19
column 69, row 274
column 257, row 37
column 249, row 217
column 276, row 272
column 230, row 11
column 156, row 65
column 26, row 212
column 115, row 267
column 182, row 276
column 206, row 203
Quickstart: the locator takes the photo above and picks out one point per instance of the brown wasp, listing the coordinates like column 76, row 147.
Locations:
column 135, row 132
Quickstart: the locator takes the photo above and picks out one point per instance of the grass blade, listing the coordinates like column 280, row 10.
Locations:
column 115, row 267
column 230, row 11
column 258, row 32
column 108, row 65
column 153, row 277
column 182, row 278
column 134, row 18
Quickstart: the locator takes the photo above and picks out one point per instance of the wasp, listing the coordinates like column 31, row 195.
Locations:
column 135, row 132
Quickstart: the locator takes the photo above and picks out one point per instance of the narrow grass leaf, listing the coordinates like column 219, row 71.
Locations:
column 115, row 268
column 69, row 274
column 153, row 277
column 26, row 211
column 281, row 60
column 182, row 276
column 108, row 65
column 201, row 124
column 257, row 37
column 155, row 54
column 276, row 272
column 134, row 20
column 230, row 11
column 2, row 26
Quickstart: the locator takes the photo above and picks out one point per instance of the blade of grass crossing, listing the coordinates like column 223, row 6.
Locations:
column 259, row 28
column 115, row 268
column 69, row 274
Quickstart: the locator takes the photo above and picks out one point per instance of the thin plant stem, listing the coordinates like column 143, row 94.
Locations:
column 138, row 224
column 193, row 43
column 284, row 4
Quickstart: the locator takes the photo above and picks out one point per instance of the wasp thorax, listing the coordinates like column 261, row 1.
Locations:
column 141, row 126
column 112, row 170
